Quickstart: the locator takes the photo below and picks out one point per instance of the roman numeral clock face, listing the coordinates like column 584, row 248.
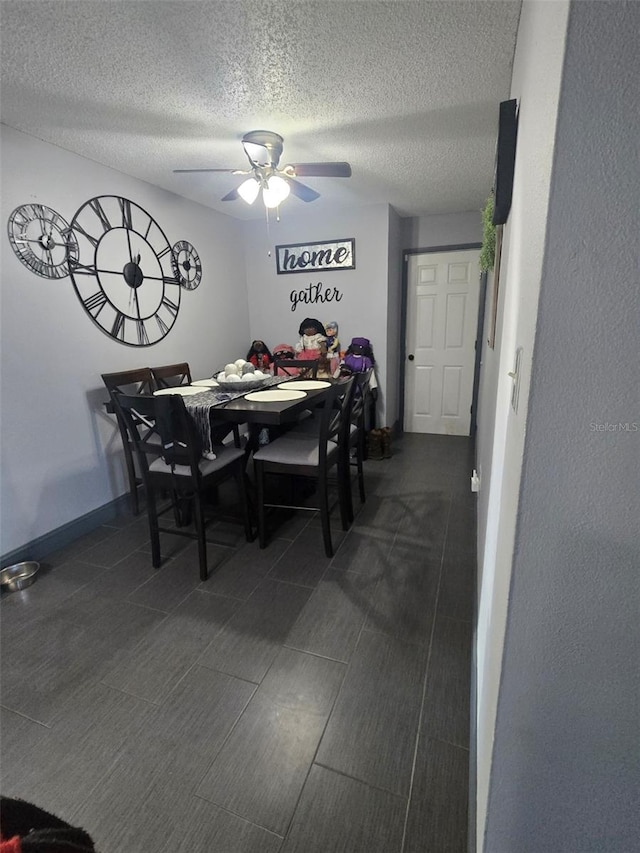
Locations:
column 122, row 268
column 39, row 236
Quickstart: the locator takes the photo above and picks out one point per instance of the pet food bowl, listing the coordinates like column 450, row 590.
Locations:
column 19, row 576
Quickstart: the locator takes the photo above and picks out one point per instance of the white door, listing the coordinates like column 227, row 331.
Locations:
column 442, row 316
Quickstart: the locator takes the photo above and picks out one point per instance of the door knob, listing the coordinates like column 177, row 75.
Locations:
column 411, row 357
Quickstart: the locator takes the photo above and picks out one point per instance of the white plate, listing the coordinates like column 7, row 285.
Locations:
column 182, row 390
column 278, row 395
column 308, row 384
column 207, row 383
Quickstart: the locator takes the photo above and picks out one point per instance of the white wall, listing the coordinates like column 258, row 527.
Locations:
column 501, row 431
column 362, row 310
column 61, row 456
column 565, row 772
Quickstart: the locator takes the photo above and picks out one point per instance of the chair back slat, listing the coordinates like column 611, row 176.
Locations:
column 171, row 375
column 360, row 397
column 138, row 381
column 335, row 415
column 296, row 367
column 161, row 427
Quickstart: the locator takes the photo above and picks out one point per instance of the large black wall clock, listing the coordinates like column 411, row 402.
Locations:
column 39, row 237
column 122, row 269
column 187, row 265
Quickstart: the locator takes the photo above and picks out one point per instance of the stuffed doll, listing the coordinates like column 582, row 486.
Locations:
column 358, row 359
column 325, row 363
column 333, row 344
column 312, row 334
column 359, row 355
column 284, row 352
column 259, row 356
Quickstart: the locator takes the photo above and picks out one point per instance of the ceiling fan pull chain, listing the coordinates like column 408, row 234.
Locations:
column 266, row 210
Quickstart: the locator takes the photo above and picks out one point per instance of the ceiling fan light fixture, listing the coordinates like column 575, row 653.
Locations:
column 248, row 190
column 275, row 192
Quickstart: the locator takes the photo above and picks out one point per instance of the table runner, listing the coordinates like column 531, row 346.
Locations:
column 199, row 407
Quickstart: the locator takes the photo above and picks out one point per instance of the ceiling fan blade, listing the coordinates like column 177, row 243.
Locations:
column 230, row 171
column 321, row 170
column 302, row 191
column 230, row 196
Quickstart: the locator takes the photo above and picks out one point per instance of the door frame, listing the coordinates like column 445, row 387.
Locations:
column 406, row 254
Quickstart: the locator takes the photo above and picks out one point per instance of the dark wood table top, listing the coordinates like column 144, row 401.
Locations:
column 276, row 413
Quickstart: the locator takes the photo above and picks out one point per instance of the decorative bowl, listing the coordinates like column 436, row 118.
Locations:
column 19, row 576
column 243, row 385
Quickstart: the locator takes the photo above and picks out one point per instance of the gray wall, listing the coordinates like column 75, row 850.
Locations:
column 450, row 229
column 537, row 73
column 362, row 309
column 61, row 453
column 565, row 765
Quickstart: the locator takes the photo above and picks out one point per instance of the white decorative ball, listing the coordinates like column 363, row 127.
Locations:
column 239, row 362
column 258, row 374
column 248, row 377
column 233, row 377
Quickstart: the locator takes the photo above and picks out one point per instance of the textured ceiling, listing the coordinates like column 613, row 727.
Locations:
column 407, row 92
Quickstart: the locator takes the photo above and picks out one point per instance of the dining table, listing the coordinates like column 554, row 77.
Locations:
column 214, row 405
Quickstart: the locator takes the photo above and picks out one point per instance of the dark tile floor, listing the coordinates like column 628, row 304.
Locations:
column 289, row 704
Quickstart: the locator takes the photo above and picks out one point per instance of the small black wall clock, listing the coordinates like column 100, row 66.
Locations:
column 187, row 265
column 122, row 267
column 39, row 236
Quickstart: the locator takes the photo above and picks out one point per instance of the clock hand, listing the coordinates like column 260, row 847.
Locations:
column 36, row 240
column 130, row 249
column 135, row 291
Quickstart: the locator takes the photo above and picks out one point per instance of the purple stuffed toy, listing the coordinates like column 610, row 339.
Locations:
column 359, row 356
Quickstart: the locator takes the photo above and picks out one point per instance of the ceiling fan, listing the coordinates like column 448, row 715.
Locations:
column 263, row 149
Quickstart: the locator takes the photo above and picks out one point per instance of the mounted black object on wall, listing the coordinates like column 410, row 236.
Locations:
column 123, row 269
column 505, row 160
column 39, row 236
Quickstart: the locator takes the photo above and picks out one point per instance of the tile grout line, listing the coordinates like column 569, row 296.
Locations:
column 424, row 682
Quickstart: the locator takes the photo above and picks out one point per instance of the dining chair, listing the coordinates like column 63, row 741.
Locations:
column 309, row 455
column 306, row 367
column 170, row 375
column 138, row 381
column 174, row 466
column 354, row 447
column 352, row 442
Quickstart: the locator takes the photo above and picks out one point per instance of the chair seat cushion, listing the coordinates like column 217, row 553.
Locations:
column 225, row 455
column 295, row 450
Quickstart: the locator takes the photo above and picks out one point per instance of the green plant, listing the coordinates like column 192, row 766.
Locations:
column 488, row 250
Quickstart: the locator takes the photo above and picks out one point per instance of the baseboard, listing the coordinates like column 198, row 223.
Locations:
column 65, row 535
